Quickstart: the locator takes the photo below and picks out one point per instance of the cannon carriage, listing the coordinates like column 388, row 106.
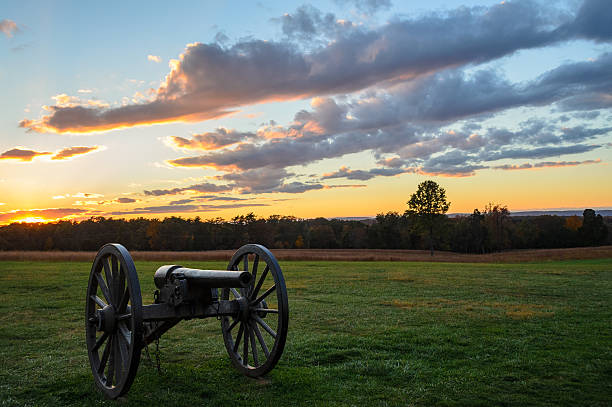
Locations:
column 249, row 298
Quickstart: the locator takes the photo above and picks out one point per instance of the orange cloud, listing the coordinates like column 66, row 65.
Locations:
column 28, row 155
column 21, row 154
column 154, row 58
column 87, row 120
column 8, row 27
column 70, row 152
column 64, row 100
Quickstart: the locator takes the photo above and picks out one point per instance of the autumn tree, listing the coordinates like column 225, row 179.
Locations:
column 429, row 205
column 497, row 218
column 593, row 230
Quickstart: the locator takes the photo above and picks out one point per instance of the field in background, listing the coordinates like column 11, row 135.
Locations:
column 514, row 256
column 360, row 333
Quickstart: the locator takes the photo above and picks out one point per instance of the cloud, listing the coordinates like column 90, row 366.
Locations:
column 86, row 195
column 202, row 187
column 308, row 24
column 295, row 187
column 407, row 120
column 266, row 180
column 546, row 164
column 345, row 172
column 210, row 141
column 184, row 208
column 592, row 22
column 125, row 200
column 8, row 27
column 367, row 6
column 220, row 198
column 21, row 154
column 280, row 153
column 21, row 47
column 255, row 181
column 541, row 152
column 209, row 80
column 154, row 58
column 70, row 152
column 181, row 201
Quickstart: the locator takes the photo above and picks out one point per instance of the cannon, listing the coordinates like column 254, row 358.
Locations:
column 249, row 298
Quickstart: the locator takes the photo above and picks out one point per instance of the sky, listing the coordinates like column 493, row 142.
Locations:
column 323, row 109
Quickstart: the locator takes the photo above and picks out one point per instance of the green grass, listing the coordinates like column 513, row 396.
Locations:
column 364, row 334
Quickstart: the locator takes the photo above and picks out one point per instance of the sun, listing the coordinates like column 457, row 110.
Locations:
column 32, row 219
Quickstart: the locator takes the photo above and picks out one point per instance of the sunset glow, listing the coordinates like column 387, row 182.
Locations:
column 337, row 109
column 31, row 220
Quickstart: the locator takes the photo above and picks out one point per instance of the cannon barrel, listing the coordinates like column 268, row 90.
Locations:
column 205, row 278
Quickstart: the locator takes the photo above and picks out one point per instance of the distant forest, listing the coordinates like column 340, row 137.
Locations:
column 492, row 230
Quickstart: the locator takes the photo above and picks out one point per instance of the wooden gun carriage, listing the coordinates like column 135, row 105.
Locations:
column 250, row 299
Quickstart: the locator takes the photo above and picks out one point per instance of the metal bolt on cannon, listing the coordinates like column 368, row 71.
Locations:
column 250, row 299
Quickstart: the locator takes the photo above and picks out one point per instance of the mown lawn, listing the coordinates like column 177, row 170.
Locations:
column 360, row 333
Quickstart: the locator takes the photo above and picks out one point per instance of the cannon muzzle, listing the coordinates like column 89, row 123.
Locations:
column 204, row 278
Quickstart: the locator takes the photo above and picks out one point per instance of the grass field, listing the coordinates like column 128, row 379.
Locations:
column 360, row 333
column 511, row 256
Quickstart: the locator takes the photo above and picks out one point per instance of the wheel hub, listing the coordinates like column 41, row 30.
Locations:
column 244, row 308
column 261, row 305
column 106, row 320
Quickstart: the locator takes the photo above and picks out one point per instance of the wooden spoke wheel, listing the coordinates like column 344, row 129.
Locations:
column 255, row 338
column 113, row 320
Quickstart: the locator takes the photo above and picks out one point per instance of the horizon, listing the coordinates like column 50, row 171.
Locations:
column 33, row 220
column 323, row 109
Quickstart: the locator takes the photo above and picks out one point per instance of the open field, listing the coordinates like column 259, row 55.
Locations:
column 514, row 256
column 360, row 333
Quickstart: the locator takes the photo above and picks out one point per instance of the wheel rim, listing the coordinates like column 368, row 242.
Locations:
column 113, row 320
column 255, row 339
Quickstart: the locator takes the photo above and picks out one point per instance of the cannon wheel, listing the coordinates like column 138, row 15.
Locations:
column 113, row 320
column 255, row 339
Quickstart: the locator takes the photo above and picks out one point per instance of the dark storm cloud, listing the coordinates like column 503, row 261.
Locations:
column 209, row 80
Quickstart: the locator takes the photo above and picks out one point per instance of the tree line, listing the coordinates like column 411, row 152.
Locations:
column 488, row 230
